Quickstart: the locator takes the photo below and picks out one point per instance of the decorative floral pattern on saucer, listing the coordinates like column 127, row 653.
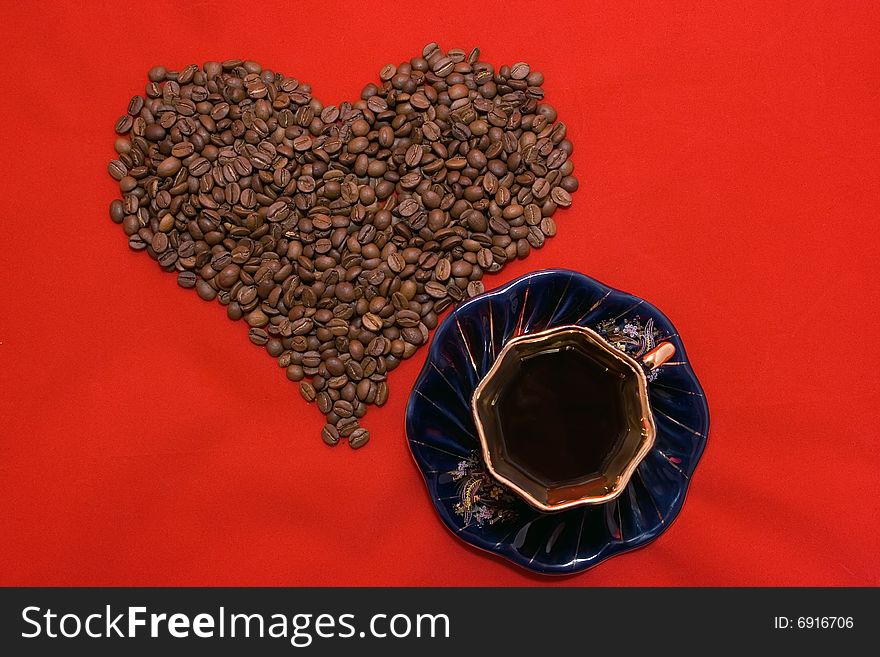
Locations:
column 443, row 438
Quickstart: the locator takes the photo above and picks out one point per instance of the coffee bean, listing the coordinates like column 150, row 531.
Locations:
column 561, row 197
column 159, row 242
column 535, row 237
column 358, row 145
column 330, row 434
column 186, row 279
column 358, row 438
column 443, row 66
column 413, row 156
column 485, row 258
column 556, row 158
column 420, row 101
column 311, row 359
column 339, row 232
column 258, row 336
column 168, row 167
column 430, row 131
column 117, row 170
column 408, row 318
column 329, row 114
column 475, row 288
column 540, row 188
column 257, row 318
column 343, row 408
column 412, row 335
column 157, row 74
column 124, row 124
column 228, row 276
column 347, row 426
column 302, row 326
column 548, row 226
column 363, row 389
column 519, row 71
column 461, row 268
column 408, row 207
column 135, row 105
column 377, row 104
column 199, row 167
column 435, row 289
column 324, row 402
column 378, row 346
column 396, row 263
column 307, row 390
column 117, row 211
column 353, row 370
column 372, row 322
column 381, row 393
column 387, row 72
column 205, row 291
column 182, row 149
column 274, row 347
column 235, row 313
column 443, row 270
column 532, row 214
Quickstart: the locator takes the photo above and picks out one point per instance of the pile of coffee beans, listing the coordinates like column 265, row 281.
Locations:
column 340, row 232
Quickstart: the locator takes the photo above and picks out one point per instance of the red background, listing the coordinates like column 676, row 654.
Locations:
column 729, row 166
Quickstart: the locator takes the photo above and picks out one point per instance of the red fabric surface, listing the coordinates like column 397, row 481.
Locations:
column 729, row 165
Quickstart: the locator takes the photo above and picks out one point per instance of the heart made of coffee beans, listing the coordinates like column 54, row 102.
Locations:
column 340, row 232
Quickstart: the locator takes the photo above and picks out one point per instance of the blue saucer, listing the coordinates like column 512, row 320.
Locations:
column 444, row 443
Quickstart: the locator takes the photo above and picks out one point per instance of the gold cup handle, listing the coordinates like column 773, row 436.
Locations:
column 658, row 355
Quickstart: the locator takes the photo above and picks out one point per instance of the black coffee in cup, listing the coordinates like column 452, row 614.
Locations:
column 562, row 414
column 563, row 417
